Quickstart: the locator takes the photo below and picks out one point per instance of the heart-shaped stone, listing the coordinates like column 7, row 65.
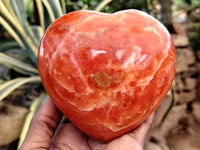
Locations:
column 107, row 72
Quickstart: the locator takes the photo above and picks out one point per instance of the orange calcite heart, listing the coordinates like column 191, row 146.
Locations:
column 107, row 72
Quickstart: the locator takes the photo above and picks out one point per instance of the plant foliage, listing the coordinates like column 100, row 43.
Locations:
column 13, row 17
column 16, row 16
column 111, row 5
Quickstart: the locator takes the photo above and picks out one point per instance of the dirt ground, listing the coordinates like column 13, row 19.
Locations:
column 186, row 136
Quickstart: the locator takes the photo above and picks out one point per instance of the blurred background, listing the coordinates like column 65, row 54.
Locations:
column 176, row 125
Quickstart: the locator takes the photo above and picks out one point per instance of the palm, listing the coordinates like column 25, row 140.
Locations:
column 48, row 132
column 70, row 137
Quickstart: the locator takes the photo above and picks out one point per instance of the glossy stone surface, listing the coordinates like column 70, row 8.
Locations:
column 107, row 72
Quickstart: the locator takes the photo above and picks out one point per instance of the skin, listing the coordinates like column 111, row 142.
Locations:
column 50, row 130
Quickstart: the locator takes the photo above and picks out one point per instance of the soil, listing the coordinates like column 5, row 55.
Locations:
column 186, row 136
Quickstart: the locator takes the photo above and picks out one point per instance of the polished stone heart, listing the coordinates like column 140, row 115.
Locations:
column 107, row 72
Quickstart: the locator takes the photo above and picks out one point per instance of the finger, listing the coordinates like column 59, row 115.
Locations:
column 42, row 127
column 141, row 132
column 131, row 141
column 67, row 137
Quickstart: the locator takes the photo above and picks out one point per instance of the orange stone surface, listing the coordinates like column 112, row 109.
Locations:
column 107, row 72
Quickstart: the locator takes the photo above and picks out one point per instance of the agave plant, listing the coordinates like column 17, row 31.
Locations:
column 13, row 18
column 27, row 38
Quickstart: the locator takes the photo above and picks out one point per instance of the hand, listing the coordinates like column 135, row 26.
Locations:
column 50, row 130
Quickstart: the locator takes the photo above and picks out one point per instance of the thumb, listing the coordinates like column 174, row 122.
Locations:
column 42, row 127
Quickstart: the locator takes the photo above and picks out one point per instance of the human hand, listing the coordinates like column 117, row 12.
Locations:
column 50, row 130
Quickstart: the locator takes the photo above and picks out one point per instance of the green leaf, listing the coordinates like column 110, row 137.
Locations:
column 53, row 8
column 41, row 13
column 6, row 45
column 33, row 109
column 9, row 86
column 38, row 32
column 11, row 31
column 12, row 24
column 102, row 4
column 19, row 54
column 17, row 65
column 49, row 9
column 20, row 10
column 8, row 6
column 56, row 7
column 63, row 4
column 29, row 5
